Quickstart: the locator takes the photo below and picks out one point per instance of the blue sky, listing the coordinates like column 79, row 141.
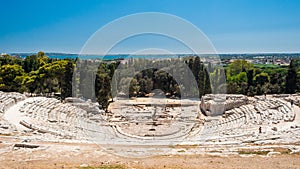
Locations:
column 233, row 26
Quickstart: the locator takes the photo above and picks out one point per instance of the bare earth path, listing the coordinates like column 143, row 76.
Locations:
column 14, row 116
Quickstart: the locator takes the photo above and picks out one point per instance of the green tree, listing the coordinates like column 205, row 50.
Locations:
column 207, row 84
column 103, row 83
column 102, row 90
column 34, row 62
column 262, row 78
column 250, row 77
column 31, row 82
column 232, row 88
column 10, row 77
column 66, row 89
column 239, row 66
column 133, row 88
column 291, row 78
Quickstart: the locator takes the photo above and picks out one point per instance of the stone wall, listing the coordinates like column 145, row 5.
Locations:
column 217, row 104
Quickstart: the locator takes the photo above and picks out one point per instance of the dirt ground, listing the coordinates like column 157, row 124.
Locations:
column 194, row 161
column 83, row 155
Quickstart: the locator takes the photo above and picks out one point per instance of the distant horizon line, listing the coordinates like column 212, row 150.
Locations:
column 228, row 53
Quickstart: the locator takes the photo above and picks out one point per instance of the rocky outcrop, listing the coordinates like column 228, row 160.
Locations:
column 217, row 104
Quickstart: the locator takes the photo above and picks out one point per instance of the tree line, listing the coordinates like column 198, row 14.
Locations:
column 139, row 77
column 36, row 74
column 246, row 78
column 239, row 77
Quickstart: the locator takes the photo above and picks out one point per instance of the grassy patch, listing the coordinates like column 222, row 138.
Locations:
column 251, row 151
column 266, row 66
column 172, row 146
column 282, row 150
column 186, row 146
column 5, row 134
column 116, row 166
column 215, row 151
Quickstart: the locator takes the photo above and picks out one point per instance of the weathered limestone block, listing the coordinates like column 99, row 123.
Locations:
column 217, row 104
